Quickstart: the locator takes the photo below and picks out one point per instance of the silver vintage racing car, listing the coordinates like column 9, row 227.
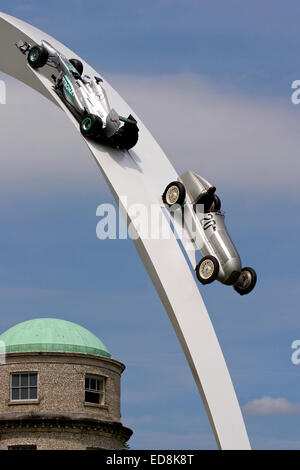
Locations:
column 84, row 96
column 205, row 224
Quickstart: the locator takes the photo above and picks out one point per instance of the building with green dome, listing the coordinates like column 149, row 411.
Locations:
column 52, row 335
column 59, row 389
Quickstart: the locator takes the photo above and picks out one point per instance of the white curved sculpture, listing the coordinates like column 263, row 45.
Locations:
column 141, row 175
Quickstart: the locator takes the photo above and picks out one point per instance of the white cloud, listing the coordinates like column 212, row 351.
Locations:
column 265, row 443
column 38, row 144
column 245, row 142
column 240, row 143
column 271, row 406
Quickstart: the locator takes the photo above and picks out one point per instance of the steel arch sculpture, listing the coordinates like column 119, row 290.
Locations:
column 134, row 174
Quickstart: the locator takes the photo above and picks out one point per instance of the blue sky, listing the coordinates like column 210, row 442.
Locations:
column 226, row 68
column 241, row 43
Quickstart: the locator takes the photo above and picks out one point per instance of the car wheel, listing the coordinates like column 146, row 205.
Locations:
column 207, row 269
column 131, row 139
column 77, row 65
column 37, row 56
column 174, row 194
column 246, row 281
column 91, row 126
column 124, row 138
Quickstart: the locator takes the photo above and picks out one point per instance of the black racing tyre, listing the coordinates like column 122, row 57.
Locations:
column 77, row 65
column 174, row 194
column 37, row 56
column 125, row 137
column 130, row 140
column 207, row 269
column 246, row 281
column 91, row 125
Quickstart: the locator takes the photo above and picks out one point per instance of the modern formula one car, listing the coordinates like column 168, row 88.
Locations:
column 220, row 260
column 84, row 96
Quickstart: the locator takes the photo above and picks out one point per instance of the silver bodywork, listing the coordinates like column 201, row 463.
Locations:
column 209, row 227
column 82, row 94
column 195, row 185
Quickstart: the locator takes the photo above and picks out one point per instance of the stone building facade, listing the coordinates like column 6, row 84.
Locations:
column 59, row 389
